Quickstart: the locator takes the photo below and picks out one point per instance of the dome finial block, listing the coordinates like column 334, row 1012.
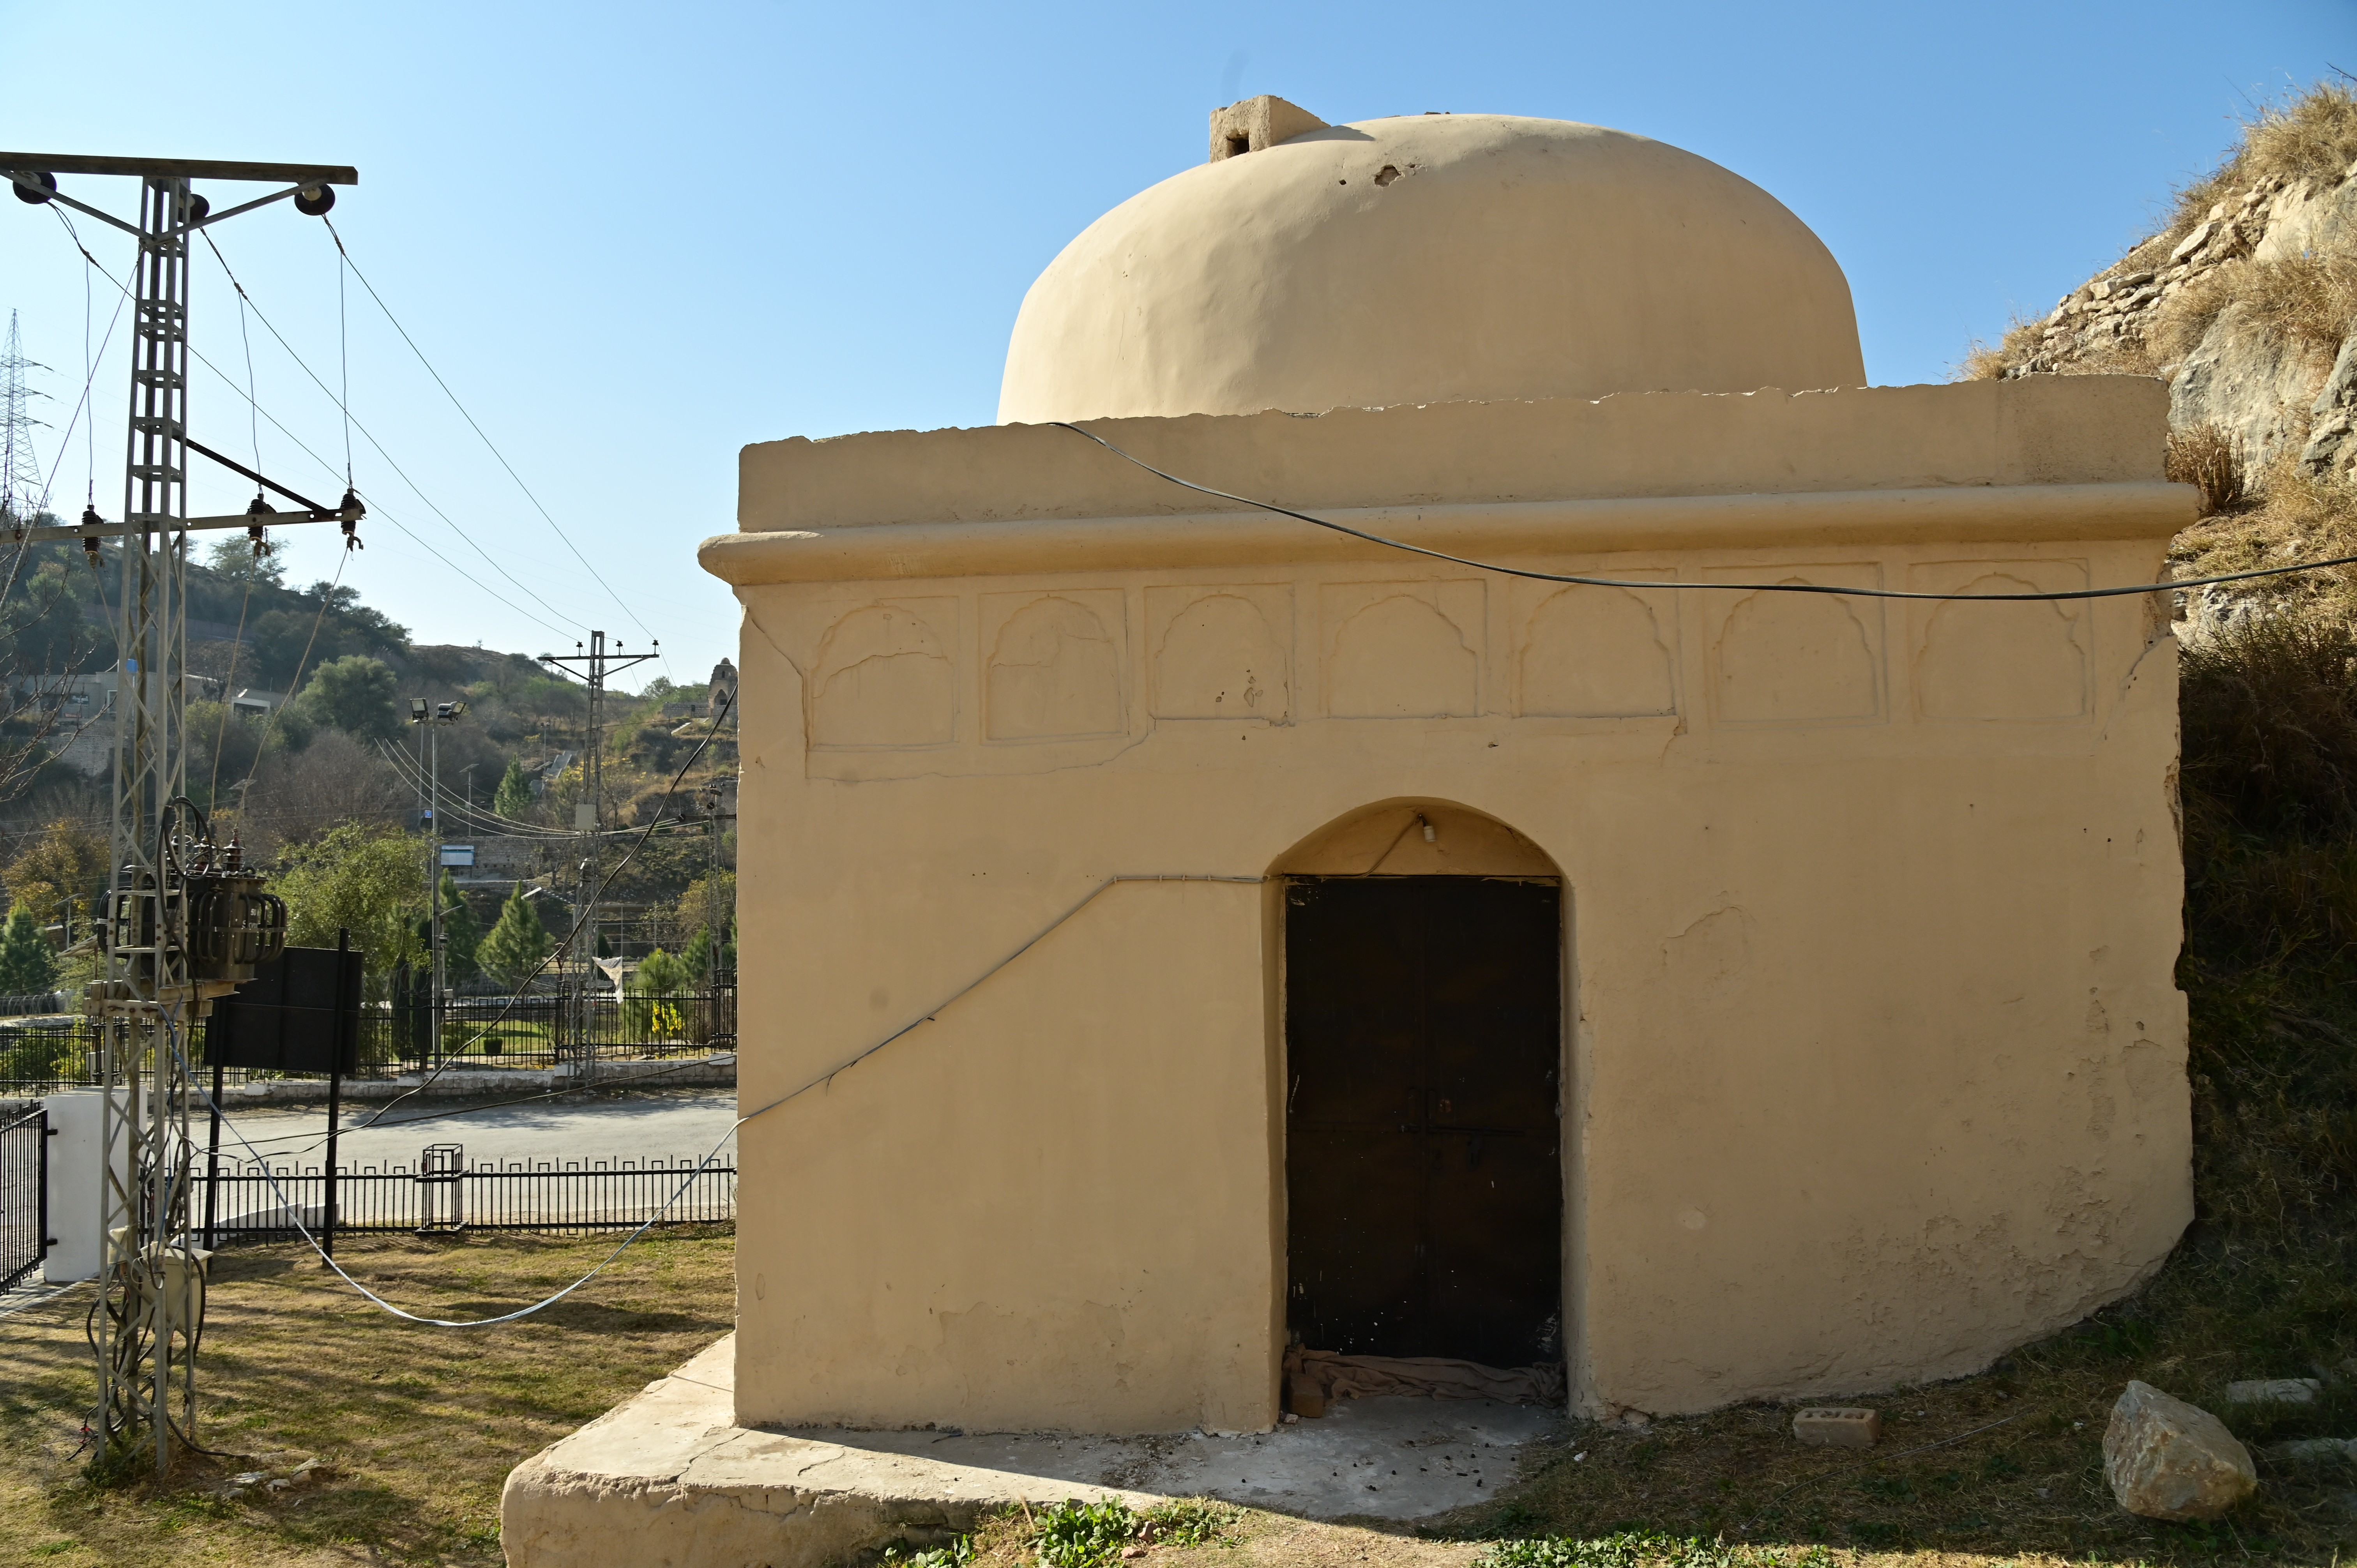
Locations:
column 1251, row 124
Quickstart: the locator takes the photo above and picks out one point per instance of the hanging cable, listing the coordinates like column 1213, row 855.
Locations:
column 262, row 746
column 575, row 622
column 343, row 355
column 482, row 818
column 90, row 369
column 261, row 547
column 2172, row 587
column 229, row 695
column 819, row 1080
column 377, row 511
column 477, row 429
column 581, row 920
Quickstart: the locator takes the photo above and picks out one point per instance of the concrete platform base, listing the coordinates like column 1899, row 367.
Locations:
column 667, row 1480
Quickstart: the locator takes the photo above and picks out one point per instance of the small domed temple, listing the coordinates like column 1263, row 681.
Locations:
column 1183, row 946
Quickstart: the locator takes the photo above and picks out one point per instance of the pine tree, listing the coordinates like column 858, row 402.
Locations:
column 517, row 943
column 514, row 796
column 27, row 962
column 461, row 934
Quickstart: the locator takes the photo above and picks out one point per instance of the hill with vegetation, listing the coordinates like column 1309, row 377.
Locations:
column 327, row 786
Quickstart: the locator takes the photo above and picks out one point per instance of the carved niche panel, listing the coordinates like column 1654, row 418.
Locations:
column 883, row 677
column 1222, row 652
column 1402, row 649
column 2001, row 661
column 1055, row 665
column 1798, row 658
column 1590, row 652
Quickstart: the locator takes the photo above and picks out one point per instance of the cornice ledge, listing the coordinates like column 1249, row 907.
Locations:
column 1959, row 514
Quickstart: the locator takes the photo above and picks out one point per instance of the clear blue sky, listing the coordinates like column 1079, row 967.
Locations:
column 634, row 239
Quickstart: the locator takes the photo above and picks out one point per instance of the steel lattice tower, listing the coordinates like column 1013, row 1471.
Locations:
column 155, row 987
column 20, row 468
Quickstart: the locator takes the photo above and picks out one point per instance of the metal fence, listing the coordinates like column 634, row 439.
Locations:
column 42, row 1053
column 24, row 1193
column 444, row 1192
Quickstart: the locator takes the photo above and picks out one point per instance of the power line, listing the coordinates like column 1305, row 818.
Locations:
column 582, row 918
column 349, row 422
column 477, row 429
column 480, row 818
column 2172, row 586
column 377, row 509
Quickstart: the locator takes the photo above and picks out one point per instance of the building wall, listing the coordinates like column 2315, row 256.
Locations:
column 1877, row 1065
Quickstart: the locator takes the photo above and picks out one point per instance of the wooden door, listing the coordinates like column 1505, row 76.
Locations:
column 1423, row 1145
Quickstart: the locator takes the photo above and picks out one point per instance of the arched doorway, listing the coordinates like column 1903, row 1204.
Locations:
column 1422, row 1004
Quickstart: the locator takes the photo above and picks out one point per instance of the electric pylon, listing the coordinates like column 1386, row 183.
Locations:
column 20, row 467
column 184, row 921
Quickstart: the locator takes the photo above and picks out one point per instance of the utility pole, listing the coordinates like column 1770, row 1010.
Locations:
column 183, row 922
column 431, row 721
column 592, row 667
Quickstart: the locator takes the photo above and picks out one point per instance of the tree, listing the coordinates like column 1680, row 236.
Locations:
column 27, row 962
column 698, row 956
column 514, row 796
column 516, row 943
column 235, row 558
column 355, row 694
column 363, row 877
column 654, row 991
column 710, row 895
column 68, row 860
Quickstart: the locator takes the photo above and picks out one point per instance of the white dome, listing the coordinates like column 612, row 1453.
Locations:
column 1430, row 259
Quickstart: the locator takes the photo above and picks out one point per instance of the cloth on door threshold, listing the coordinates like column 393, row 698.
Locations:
column 1319, row 1377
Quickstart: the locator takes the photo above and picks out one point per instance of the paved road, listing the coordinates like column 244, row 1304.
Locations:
column 679, row 1123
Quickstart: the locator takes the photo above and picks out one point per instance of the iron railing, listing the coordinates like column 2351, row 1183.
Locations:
column 444, row 1192
column 24, row 1193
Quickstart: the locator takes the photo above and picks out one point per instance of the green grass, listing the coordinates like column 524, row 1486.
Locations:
column 413, row 1430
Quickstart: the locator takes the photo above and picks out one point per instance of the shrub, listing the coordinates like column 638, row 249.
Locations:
column 1074, row 1534
column 2207, row 459
column 2269, row 711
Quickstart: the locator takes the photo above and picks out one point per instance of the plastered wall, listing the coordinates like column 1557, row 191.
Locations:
column 1877, row 1068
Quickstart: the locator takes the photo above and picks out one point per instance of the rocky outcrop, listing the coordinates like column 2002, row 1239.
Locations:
column 2248, row 382
column 2270, row 395
column 2167, row 1459
column 2331, row 449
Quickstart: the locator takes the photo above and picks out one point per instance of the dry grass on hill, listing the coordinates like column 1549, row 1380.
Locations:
column 2309, row 301
column 2312, row 136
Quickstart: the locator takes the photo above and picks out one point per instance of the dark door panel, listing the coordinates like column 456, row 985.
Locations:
column 1423, row 1157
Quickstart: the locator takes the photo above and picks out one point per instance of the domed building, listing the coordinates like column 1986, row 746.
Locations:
column 1440, row 258
column 1602, row 899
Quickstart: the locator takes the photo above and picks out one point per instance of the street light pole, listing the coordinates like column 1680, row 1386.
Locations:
column 433, row 719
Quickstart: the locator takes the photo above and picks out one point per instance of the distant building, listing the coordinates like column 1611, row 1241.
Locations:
column 83, row 733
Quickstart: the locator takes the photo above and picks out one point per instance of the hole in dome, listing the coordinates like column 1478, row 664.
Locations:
column 1239, row 145
column 1386, row 175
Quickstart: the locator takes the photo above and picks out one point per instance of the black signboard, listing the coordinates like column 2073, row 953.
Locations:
column 300, row 1013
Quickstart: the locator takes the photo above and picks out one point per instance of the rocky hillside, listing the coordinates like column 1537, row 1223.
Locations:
column 2246, row 304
